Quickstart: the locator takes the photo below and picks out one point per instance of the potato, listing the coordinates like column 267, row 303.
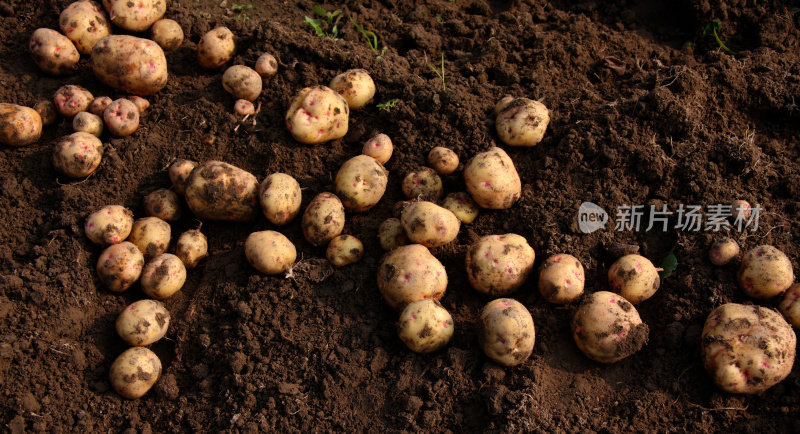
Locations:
column 110, row 224
column 130, row 64
column 164, row 204
column 723, row 251
column 522, row 122
column 443, row 160
column 140, row 103
column 72, row 99
column 789, row 306
column 167, row 33
column 492, row 179
column 498, row 265
column 119, row 266
column 561, row 279
column 765, row 272
column 462, row 206
column 280, row 198
column 356, row 86
column 316, row 115
column 53, row 52
column 134, row 372
column 122, row 117
column 163, row 276
column 84, row 23
column 143, row 322
column 151, row 235
column 179, row 172
column 19, row 125
column 410, row 273
column 344, row 250
column 634, row 277
column 135, row 17
column 502, row 104
column 747, row 349
column 98, row 105
column 77, row 155
column 323, row 219
column 361, row 182
column 85, row 122
column 506, row 333
column 47, row 111
column 425, row 326
column 215, row 48
column 269, row 252
column 391, row 234
column 429, row 224
column 243, row 107
column 220, row 191
column 741, row 210
column 242, row 82
column 607, row 328
column 192, row 246
column 423, row 184
column 379, row 147
column 266, row 65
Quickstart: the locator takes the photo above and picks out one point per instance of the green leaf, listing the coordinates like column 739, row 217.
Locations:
column 668, row 265
column 319, row 11
column 316, row 25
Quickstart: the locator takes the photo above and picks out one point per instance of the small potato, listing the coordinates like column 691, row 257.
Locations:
column 344, row 250
column 135, row 19
column 462, row 205
column 723, row 251
column 98, row 105
column 77, row 155
column 130, row 64
column 498, row 265
column 356, row 86
column 179, row 172
column 634, row 277
column 561, row 279
column 53, row 52
column 19, row 125
column 323, row 219
column 163, row 276
column 220, row 191
column 425, row 326
column 789, row 305
column 423, row 184
column 122, row 117
column 492, row 179
column 443, row 160
column 84, row 23
column 110, row 224
column 410, row 273
column 47, row 111
column 215, row 48
column 151, row 235
column 164, row 204
column 429, row 224
column 607, row 328
column 143, row 322
column 119, row 266
column 316, row 115
column 379, row 147
column 266, row 65
column 506, row 332
column 741, row 210
column 269, row 252
column 243, row 107
column 242, row 82
column 167, row 33
column 191, row 248
column 765, row 272
column 361, row 182
column 134, row 372
column 747, row 349
column 502, row 104
column 140, row 103
column 280, row 197
column 86, row 122
column 391, row 234
column 522, row 122
column 72, row 99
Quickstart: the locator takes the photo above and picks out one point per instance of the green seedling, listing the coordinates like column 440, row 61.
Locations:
column 328, row 25
column 440, row 74
column 372, row 39
column 713, row 27
column 668, row 265
column 241, row 11
column 388, row 105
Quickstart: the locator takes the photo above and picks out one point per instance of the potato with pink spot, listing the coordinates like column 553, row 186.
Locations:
column 723, row 251
column 135, row 17
column 607, row 328
column 425, row 326
column 86, row 122
column 72, row 99
column 492, row 179
column 221, row 191
column 135, row 372
column 561, row 279
column 98, row 105
column 498, row 265
column 360, row 183
column 143, row 322
column 179, row 172
column 266, row 65
column 163, row 276
column 280, row 197
column 243, row 107
column 167, row 33
column 242, row 82
column 84, row 23
column 151, row 235
column 391, row 234
column 423, row 184
column 356, row 86
column 191, row 247
column 164, row 204
column 379, row 147
column 53, row 52
column 317, row 114
column 429, row 224
column 47, row 111
column 110, row 224
column 522, row 122
column 19, row 125
column 462, row 205
column 741, row 210
column 269, row 252
column 130, row 64
column 323, row 219
column 121, row 117
column 765, row 272
column 506, row 332
column 634, row 277
column 790, row 305
column 443, row 160
column 410, row 273
column 215, row 48
column 119, row 266
column 77, row 155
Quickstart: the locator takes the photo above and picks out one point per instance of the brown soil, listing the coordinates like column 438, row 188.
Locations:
column 646, row 109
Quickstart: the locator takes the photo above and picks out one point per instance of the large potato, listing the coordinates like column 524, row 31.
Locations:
column 143, row 322
column 506, row 331
column 77, row 155
column 361, row 182
column 634, row 277
column 119, row 266
column 607, row 328
column 425, row 326
column 215, row 48
column 53, row 52
column 765, row 272
column 747, row 349
column 317, row 114
column 280, row 197
column 134, row 372
column 561, row 279
column 130, row 64
column 269, row 252
column 356, row 86
column 163, row 276
column 410, row 273
column 151, row 235
column 84, row 23
column 135, row 16
column 110, row 224
column 522, row 122
column 19, row 125
column 220, row 191
column 492, row 179
column 429, row 224
column 498, row 265
column 323, row 219
column 242, row 82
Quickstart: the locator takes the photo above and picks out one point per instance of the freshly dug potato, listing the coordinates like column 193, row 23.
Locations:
column 443, row 160
column 220, row 191
column 765, row 272
column 119, row 266
column 242, row 82
column 151, row 235
column 425, row 326
column 84, row 23
column 492, row 179
column 391, row 234
column 506, row 100
column 130, row 64
column 397, row 209
column 134, row 372
column 723, row 251
column 167, row 33
column 410, row 273
column 506, row 332
column 164, row 204
column 498, row 265
column 379, row 147
column 77, row 155
column 269, row 252
column 462, row 205
column 607, row 328
column 53, row 52
column 429, row 224
column 323, row 219
column 316, row 115
column 143, row 322
column 98, row 105
column 85, row 122
column 741, row 210
column 266, row 65
column 122, row 117
column 110, row 224
column 344, row 250
column 72, row 99
column 140, row 103
column 356, row 86
column 634, row 277
column 561, row 279
column 47, row 111
column 243, row 107
column 522, row 122
column 163, row 276
column 192, row 246
column 19, row 125
column 361, row 182
column 789, row 305
column 215, row 48
column 747, row 349
column 423, row 184
column 135, row 17
column 280, row 198
column 179, row 172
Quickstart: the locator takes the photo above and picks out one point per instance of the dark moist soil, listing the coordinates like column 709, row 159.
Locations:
column 646, row 110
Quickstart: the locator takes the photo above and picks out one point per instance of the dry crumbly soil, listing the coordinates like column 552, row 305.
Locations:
column 646, row 110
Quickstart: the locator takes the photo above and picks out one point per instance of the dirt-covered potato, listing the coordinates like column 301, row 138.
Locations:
column 84, row 23
column 151, row 235
column 492, row 179
column 53, row 52
column 361, row 182
column 356, row 86
column 506, row 333
column 163, row 276
column 634, row 277
column 723, row 251
column 561, row 279
column 765, row 272
column 215, row 48
column 119, row 266
column 423, row 184
column 110, row 224
column 19, row 125
column 86, row 122
column 269, row 252
column 179, row 172
column 72, row 99
column 498, row 265
column 323, row 219
column 443, row 160
column 77, row 155
column 130, row 64
column 429, row 224
column 506, row 100
column 462, row 205
column 220, row 191
column 122, row 117
column 164, row 204
column 266, row 65
column 191, row 247
column 143, row 322
column 242, row 82
column 522, row 122
column 741, row 210
column 425, row 326
column 410, row 273
column 280, row 197
column 379, row 147
column 391, row 234
column 47, row 111
column 344, row 250
column 167, row 33
column 140, row 103
column 243, row 107
column 747, row 349
column 135, row 17
column 790, row 305
column 98, row 105
column 607, row 328
column 316, row 115
column 134, row 372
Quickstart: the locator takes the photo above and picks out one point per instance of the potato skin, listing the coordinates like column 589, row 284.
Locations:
column 164, row 204
column 765, row 272
column 561, row 279
column 167, row 33
column 191, row 247
column 220, row 191
column 462, row 205
column 747, row 349
column 179, row 172
column 344, row 250
column 424, row 184
column 266, row 65
column 506, row 332
column 410, row 273
column 163, row 276
column 110, row 224
column 84, row 23
column 130, row 64
column 429, row 224
column 242, row 82
column 790, row 305
column 317, row 115
column 355, row 86
column 134, row 372
column 138, row 18
column 280, row 197
column 425, row 326
column 361, row 182
column 215, row 48
column 98, row 105
column 19, row 125
column 53, row 52
column 723, row 251
column 323, row 219
column 498, row 265
column 492, row 179
column 634, row 277
column 391, row 234
column 607, row 328
column 143, row 322
column 243, row 107
column 269, row 252
column 119, row 266
column 522, row 122
column 77, row 155
column 47, row 111
column 72, row 99
column 87, row 123
column 443, row 160
column 151, row 235
column 379, row 147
